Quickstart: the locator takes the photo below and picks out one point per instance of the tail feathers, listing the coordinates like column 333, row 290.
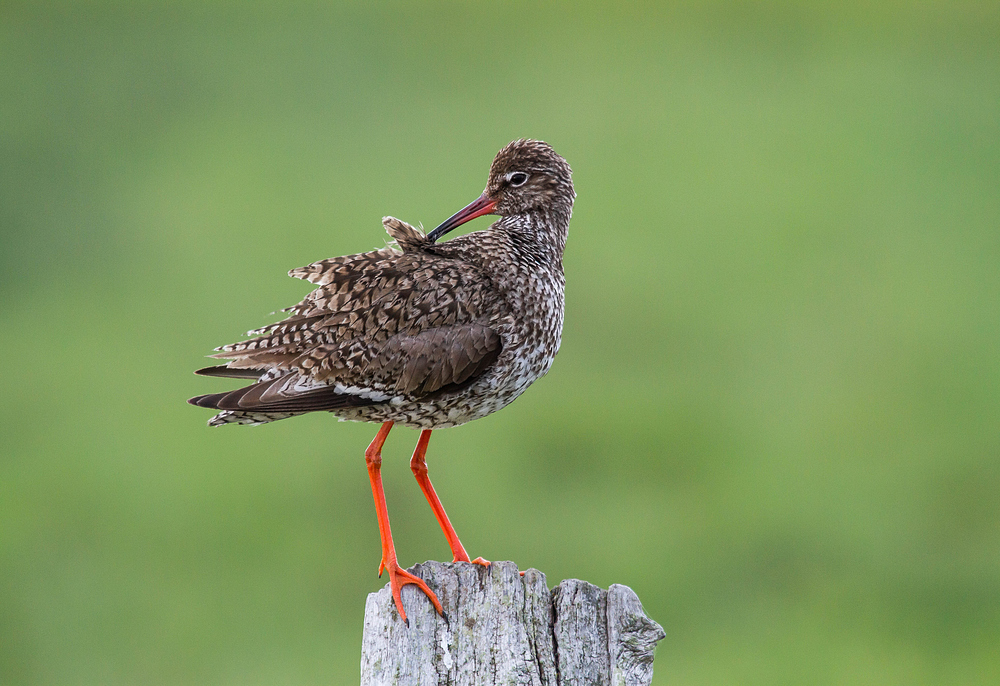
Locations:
column 249, row 418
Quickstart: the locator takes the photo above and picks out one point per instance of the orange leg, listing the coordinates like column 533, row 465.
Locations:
column 398, row 577
column 419, row 467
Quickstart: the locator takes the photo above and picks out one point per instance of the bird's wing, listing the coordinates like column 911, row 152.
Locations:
column 380, row 324
column 421, row 365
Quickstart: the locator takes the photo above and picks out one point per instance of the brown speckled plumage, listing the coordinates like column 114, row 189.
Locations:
column 422, row 334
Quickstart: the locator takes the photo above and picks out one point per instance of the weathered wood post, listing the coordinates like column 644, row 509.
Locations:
column 503, row 628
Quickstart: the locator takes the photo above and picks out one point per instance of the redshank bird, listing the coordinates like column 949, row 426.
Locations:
column 422, row 334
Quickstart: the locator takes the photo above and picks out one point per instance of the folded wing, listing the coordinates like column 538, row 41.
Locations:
column 382, row 325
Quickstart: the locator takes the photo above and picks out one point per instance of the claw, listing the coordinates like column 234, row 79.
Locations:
column 399, row 577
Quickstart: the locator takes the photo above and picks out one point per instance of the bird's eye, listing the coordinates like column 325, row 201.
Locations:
column 517, row 179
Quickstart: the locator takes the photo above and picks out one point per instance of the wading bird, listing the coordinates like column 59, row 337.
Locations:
column 422, row 334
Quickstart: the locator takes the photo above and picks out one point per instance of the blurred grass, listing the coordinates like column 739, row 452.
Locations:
column 774, row 415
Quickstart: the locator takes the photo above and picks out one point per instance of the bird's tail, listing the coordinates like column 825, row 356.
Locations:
column 249, row 418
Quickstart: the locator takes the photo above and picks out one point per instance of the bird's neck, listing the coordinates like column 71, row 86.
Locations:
column 540, row 233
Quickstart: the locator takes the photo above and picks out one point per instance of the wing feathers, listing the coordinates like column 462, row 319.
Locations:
column 255, row 398
column 381, row 324
column 231, row 373
column 436, row 358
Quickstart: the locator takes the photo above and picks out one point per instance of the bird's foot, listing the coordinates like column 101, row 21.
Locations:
column 462, row 556
column 399, row 577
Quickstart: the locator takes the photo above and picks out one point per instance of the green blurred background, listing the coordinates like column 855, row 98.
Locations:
column 776, row 413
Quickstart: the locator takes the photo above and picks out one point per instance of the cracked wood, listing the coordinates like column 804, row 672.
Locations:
column 503, row 628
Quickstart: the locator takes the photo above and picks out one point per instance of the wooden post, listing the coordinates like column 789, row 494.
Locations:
column 503, row 628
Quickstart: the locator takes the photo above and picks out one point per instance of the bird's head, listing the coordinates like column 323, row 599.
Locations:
column 526, row 176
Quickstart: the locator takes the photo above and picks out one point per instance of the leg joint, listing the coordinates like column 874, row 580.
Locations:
column 418, row 466
column 373, row 455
